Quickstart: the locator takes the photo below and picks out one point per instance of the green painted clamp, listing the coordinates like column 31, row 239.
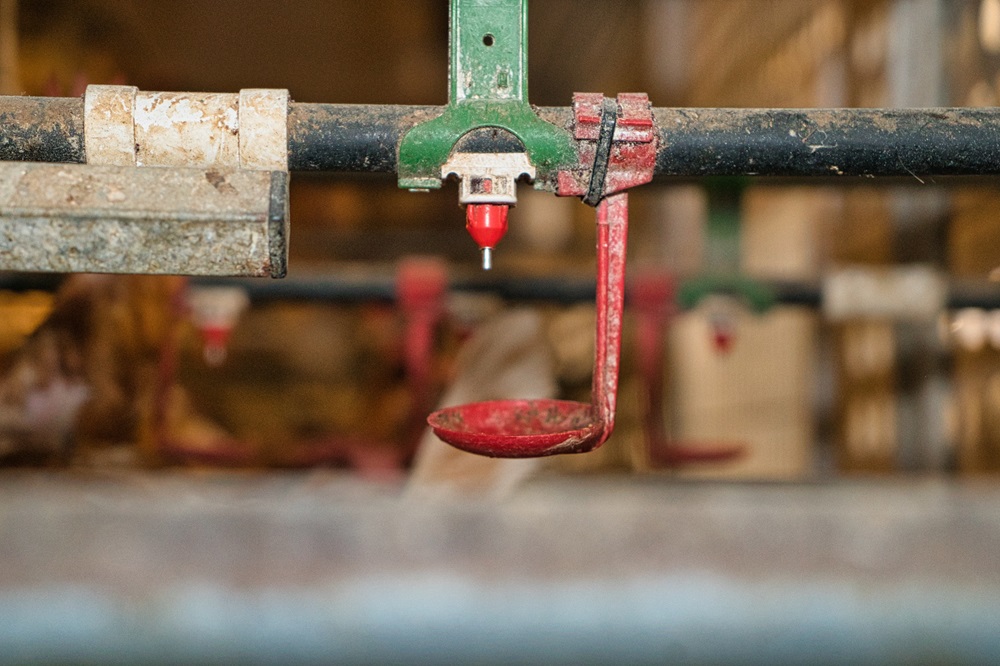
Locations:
column 755, row 295
column 722, row 253
column 488, row 89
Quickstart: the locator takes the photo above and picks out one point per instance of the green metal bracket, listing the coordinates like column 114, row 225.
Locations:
column 723, row 232
column 722, row 252
column 488, row 89
column 755, row 295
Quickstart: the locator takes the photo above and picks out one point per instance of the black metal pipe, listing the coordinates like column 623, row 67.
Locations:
column 350, row 137
column 704, row 142
column 970, row 294
column 352, row 286
column 41, row 129
column 362, row 138
column 828, row 142
column 694, row 142
column 355, row 285
column 359, row 288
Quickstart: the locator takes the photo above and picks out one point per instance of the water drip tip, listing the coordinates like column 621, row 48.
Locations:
column 487, row 224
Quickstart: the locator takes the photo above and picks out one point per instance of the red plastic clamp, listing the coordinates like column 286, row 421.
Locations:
column 633, row 142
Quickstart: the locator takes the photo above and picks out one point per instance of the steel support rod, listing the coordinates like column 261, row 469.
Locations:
column 350, row 138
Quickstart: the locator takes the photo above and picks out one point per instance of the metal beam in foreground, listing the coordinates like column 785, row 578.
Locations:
column 108, row 219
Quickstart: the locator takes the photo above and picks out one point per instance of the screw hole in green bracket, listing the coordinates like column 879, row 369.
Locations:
column 488, row 89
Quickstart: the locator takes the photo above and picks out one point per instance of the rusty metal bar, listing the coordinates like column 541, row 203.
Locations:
column 350, row 138
column 111, row 219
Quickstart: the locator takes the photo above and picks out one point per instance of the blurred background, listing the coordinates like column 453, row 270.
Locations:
column 797, row 386
column 779, row 330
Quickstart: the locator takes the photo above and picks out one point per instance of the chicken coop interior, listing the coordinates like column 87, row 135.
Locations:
column 765, row 429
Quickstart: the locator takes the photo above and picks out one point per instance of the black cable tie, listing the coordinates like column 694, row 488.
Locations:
column 602, row 156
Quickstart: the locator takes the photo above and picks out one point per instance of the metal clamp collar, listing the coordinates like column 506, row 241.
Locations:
column 616, row 142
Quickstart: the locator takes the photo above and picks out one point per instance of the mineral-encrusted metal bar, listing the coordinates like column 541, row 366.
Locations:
column 694, row 142
column 112, row 219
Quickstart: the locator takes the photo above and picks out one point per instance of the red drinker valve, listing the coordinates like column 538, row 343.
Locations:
column 215, row 340
column 487, row 224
